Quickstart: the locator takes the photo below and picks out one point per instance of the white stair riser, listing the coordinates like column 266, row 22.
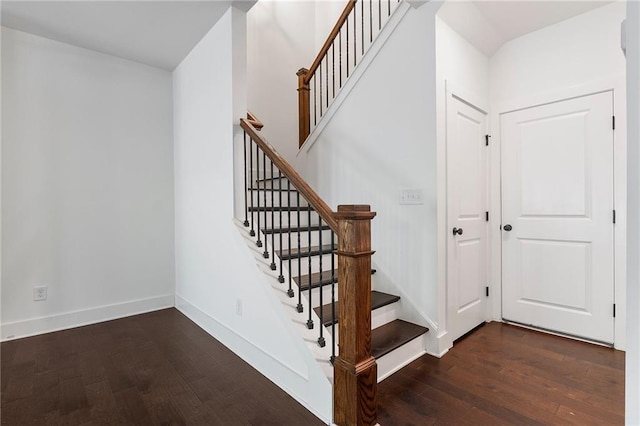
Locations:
column 266, row 223
column 379, row 317
column 258, row 197
column 315, row 294
column 400, row 357
column 394, row 360
column 305, row 240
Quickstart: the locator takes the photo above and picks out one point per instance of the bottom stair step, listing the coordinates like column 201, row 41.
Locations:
column 378, row 300
column 392, row 335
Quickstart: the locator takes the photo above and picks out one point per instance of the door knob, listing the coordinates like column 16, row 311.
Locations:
column 457, row 231
column 507, row 227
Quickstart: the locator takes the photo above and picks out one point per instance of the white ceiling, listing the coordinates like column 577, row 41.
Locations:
column 156, row 33
column 489, row 24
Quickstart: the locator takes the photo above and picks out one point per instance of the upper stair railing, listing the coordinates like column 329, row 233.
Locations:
column 358, row 25
column 270, row 181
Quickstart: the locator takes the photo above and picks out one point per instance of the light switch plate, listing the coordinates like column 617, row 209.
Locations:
column 411, row 196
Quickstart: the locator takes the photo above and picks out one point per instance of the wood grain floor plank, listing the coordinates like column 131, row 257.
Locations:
column 151, row 369
column 160, row 368
column 510, row 375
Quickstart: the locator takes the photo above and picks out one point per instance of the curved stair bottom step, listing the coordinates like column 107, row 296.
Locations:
column 396, row 344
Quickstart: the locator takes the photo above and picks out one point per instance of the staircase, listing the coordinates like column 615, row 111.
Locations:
column 319, row 263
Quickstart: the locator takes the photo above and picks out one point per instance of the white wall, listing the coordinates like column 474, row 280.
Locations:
column 578, row 56
column 383, row 139
column 281, row 40
column 284, row 36
column 579, row 50
column 87, row 186
column 632, row 361
column 215, row 270
column 463, row 68
column 327, row 13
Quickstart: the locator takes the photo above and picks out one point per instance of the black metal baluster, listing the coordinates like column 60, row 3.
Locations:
column 252, row 232
column 273, row 236
column 379, row 15
column 315, row 104
column 281, row 276
column 290, row 291
column 333, row 299
column 299, row 307
column 370, row 21
column 264, row 198
column 327, row 79
column 320, row 89
column 246, row 190
column 340, row 55
column 259, row 242
column 321, row 340
column 355, row 36
column 309, row 321
column 347, row 46
column 388, row 8
column 333, row 68
column 362, row 26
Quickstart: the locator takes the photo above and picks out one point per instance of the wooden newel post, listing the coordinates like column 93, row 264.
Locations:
column 354, row 370
column 304, row 114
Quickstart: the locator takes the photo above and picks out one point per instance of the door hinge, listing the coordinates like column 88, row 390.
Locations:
column 614, row 216
column 487, row 290
column 613, row 122
column 486, row 216
column 614, row 310
column 486, row 139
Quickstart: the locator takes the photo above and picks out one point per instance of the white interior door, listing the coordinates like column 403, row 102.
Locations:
column 557, row 217
column 467, row 200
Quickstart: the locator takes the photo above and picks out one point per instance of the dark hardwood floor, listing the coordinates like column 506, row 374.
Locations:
column 151, row 369
column 160, row 368
column 505, row 375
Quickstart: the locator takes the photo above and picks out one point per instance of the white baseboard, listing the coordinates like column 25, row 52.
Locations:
column 268, row 365
column 66, row 320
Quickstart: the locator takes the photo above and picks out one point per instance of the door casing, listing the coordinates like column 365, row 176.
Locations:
column 616, row 84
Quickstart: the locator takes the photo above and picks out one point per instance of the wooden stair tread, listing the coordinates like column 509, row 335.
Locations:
column 295, row 229
column 271, row 179
column 306, row 251
column 378, row 300
column 392, row 335
column 280, row 208
column 315, row 279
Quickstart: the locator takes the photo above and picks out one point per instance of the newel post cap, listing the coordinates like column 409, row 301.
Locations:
column 354, row 212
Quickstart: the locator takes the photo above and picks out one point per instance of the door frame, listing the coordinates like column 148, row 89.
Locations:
column 452, row 89
column 617, row 85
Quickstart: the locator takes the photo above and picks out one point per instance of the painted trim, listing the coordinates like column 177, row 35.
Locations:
column 401, row 366
column 616, row 83
column 67, row 320
column 248, row 351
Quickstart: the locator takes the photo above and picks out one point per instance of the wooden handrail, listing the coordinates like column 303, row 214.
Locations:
column 319, row 85
column 296, row 180
column 332, row 36
column 251, row 118
column 354, row 368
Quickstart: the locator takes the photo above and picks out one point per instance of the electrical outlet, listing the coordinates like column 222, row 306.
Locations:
column 411, row 196
column 39, row 293
column 239, row 307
